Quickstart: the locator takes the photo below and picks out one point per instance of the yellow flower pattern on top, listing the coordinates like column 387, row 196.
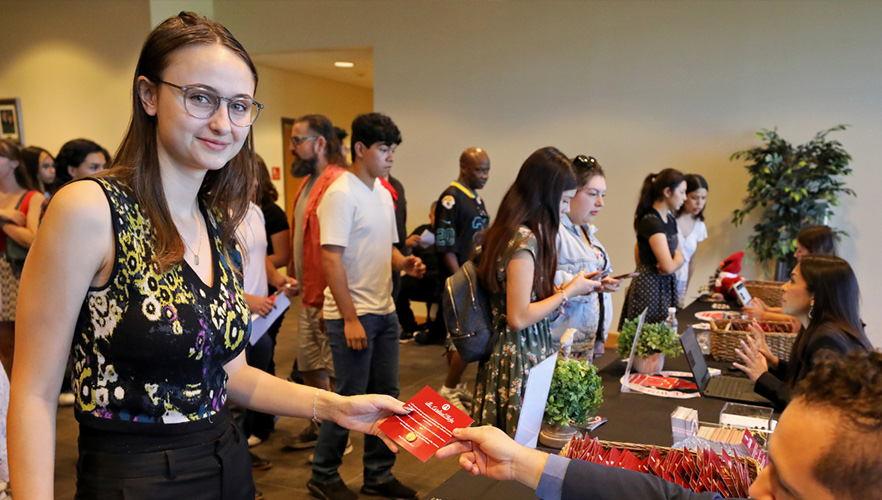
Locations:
column 150, row 347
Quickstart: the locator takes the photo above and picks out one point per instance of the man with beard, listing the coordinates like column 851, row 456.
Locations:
column 318, row 159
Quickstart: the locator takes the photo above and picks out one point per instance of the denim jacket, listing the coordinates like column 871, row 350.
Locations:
column 582, row 313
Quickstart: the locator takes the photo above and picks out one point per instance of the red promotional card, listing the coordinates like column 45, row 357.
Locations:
column 428, row 427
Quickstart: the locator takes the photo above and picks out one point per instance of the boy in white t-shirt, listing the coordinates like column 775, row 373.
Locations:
column 357, row 225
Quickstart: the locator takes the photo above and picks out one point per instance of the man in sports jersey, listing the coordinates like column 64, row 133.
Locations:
column 460, row 219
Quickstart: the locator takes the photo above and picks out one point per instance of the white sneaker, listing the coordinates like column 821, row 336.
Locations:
column 454, row 396
column 464, row 393
column 254, row 441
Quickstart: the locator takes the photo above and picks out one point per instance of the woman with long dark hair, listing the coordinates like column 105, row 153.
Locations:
column 813, row 240
column 823, row 295
column 658, row 250
column 691, row 229
column 40, row 166
column 517, row 266
column 152, row 302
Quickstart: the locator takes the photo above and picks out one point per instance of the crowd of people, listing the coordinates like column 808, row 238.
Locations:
column 179, row 245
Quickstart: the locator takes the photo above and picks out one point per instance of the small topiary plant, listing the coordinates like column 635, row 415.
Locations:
column 655, row 338
column 576, row 393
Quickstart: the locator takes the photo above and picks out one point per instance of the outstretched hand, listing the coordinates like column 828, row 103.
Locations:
column 366, row 413
column 488, row 451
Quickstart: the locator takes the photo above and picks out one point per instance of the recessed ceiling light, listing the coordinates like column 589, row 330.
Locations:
column 344, row 64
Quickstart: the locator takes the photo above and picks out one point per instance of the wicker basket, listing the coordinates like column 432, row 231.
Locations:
column 726, row 336
column 769, row 291
column 641, row 451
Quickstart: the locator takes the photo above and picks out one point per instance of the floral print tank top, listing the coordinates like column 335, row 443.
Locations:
column 150, row 347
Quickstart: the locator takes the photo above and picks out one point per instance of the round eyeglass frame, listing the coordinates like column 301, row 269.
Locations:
column 186, row 89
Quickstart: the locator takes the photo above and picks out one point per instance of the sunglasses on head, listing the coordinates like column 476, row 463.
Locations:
column 586, row 161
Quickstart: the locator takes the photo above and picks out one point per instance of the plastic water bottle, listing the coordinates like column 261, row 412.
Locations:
column 671, row 320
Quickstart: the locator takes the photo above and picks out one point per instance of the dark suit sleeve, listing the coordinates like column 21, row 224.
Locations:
column 586, row 480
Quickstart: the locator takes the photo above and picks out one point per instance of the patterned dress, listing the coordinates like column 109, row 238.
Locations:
column 149, row 348
column 501, row 380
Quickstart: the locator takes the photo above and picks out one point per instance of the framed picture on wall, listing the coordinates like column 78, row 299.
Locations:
column 10, row 120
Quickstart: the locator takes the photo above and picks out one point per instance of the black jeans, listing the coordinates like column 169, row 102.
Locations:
column 215, row 470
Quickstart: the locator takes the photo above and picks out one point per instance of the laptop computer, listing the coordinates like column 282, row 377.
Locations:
column 722, row 386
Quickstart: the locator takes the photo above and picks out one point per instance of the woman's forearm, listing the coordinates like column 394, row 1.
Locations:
column 31, row 440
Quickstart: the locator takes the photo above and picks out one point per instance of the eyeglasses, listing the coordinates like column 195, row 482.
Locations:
column 586, row 161
column 296, row 141
column 202, row 103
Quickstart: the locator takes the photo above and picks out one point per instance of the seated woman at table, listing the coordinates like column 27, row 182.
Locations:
column 823, row 295
column 579, row 250
column 517, row 267
column 813, row 240
column 658, row 250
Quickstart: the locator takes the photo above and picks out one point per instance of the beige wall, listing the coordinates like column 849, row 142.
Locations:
column 641, row 85
column 71, row 63
column 72, row 69
column 289, row 95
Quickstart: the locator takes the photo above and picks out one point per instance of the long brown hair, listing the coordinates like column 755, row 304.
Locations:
column 224, row 192
column 836, row 297
column 533, row 201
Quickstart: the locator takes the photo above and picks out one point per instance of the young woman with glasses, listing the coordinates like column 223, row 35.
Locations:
column 152, row 301
column 517, row 267
column 578, row 249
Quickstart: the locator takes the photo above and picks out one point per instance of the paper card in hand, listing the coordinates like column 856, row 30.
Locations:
column 428, row 427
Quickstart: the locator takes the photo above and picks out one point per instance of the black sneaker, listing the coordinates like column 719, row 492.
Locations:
column 330, row 491
column 391, row 489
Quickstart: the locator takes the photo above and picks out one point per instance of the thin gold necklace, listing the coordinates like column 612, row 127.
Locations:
column 199, row 245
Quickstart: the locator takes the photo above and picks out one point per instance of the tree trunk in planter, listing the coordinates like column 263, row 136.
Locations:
column 782, row 270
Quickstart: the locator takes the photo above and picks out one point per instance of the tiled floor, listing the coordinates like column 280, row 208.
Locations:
column 286, row 480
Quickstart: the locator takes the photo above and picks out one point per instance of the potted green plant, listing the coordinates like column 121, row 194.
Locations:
column 576, row 393
column 656, row 341
column 796, row 187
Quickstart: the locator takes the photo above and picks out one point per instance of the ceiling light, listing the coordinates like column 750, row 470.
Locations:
column 344, row 64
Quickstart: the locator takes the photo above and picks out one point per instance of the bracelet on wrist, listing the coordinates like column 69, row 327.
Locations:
column 314, row 405
column 563, row 304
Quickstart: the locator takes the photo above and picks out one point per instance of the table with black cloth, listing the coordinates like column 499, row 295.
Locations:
column 632, row 418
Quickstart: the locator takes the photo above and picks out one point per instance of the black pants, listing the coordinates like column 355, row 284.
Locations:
column 414, row 289
column 217, row 470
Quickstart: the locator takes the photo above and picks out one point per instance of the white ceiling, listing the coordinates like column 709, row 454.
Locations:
column 320, row 63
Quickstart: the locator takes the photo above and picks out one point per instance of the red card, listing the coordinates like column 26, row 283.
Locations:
column 428, row 427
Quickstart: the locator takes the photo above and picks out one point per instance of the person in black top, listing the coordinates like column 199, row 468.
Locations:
column 823, row 295
column 420, row 289
column 460, row 219
column 658, row 252
column 259, row 425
